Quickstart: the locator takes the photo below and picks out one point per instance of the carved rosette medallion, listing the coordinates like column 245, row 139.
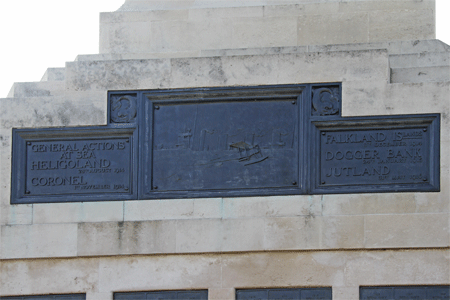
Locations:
column 123, row 109
column 326, row 101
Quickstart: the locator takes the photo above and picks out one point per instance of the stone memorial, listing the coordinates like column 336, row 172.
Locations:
column 234, row 150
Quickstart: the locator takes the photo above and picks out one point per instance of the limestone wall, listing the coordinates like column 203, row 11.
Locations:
column 221, row 274
column 201, row 25
column 220, row 244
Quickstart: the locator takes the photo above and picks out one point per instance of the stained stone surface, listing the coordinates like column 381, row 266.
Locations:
column 385, row 56
column 344, row 271
column 179, row 26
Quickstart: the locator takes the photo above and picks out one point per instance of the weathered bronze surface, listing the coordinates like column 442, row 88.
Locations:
column 51, row 165
column 226, row 142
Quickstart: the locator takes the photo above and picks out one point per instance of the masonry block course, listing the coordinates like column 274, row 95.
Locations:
column 384, row 55
column 319, row 22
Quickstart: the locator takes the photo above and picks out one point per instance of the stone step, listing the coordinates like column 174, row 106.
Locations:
column 416, row 60
column 54, row 74
column 136, row 56
column 420, row 74
column 423, row 46
column 393, row 48
column 37, row 89
column 152, row 5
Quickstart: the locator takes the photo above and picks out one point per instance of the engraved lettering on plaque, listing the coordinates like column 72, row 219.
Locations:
column 78, row 166
column 374, row 156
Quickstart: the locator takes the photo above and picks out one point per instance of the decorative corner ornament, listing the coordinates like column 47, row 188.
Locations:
column 123, row 109
column 325, row 101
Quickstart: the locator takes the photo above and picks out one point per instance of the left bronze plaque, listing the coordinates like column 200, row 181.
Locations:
column 82, row 164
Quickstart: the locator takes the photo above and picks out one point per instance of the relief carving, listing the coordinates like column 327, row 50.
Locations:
column 123, row 109
column 326, row 101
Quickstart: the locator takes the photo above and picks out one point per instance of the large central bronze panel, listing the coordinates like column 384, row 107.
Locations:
column 225, row 145
column 223, row 142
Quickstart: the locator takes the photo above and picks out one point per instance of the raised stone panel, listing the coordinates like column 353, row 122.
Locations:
column 144, row 5
column 143, row 16
column 263, row 32
column 41, row 240
column 292, row 233
column 344, row 271
column 113, row 238
column 343, row 232
column 397, row 268
column 254, row 51
column 395, row 203
column 436, row 202
column 251, row 270
column 54, row 74
column 319, row 22
column 229, row 13
column 124, row 74
column 393, row 47
column 15, row 214
column 136, row 35
column 53, row 111
column 405, row 231
column 414, row 98
column 421, row 46
column 301, row 9
column 78, row 212
column 428, row 59
column 139, row 56
column 333, row 29
column 199, row 234
column 384, row 5
column 220, row 235
column 423, row 74
column 221, row 71
column 37, row 89
column 173, row 209
column 62, row 276
column 408, row 24
column 165, row 272
column 226, row 235
column 394, row 99
column 167, row 36
column 5, row 181
column 275, row 206
column 242, row 235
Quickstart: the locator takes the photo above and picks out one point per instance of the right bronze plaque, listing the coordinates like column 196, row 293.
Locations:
column 383, row 155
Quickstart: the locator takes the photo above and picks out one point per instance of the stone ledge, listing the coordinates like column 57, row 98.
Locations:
column 363, row 65
column 344, row 271
column 422, row 74
column 405, row 231
column 393, row 47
